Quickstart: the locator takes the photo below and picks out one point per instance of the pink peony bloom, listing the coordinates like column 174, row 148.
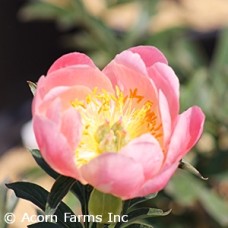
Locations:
column 118, row 129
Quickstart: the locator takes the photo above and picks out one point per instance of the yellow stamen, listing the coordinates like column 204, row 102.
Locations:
column 110, row 121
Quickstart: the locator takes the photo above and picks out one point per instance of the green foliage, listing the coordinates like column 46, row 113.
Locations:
column 44, row 224
column 103, row 204
column 60, row 188
column 92, row 202
column 7, row 203
column 138, row 215
column 37, row 195
column 203, row 83
column 186, row 190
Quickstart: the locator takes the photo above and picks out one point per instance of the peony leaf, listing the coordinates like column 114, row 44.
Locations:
column 190, row 168
column 31, row 192
column 138, row 215
column 60, row 188
column 44, row 225
column 81, row 191
column 38, row 195
column 133, row 202
column 42, row 163
column 7, row 203
column 32, row 87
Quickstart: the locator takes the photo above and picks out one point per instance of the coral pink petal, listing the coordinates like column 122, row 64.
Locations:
column 149, row 55
column 71, row 127
column 114, row 173
column 67, row 95
column 74, row 93
column 131, row 60
column 158, row 182
column 54, row 147
column 80, row 76
column 166, row 80
column 128, row 79
column 188, row 129
column 165, row 118
column 38, row 94
column 146, row 151
column 68, row 120
column 53, row 111
column 71, row 59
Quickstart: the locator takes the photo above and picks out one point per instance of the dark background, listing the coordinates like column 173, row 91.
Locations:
column 26, row 52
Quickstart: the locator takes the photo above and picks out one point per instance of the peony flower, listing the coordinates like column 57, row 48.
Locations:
column 118, row 129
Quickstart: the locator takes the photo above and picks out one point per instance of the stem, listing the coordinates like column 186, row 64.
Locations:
column 100, row 225
column 85, row 209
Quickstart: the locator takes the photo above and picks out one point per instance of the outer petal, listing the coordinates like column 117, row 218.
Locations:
column 139, row 58
column 37, row 100
column 114, row 173
column 188, row 129
column 54, row 147
column 71, row 59
column 72, row 76
column 149, row 55
column 158, row 182
column 67, row 120
column 71, row 127
column 131, row 60
column 146, row 151
column 165, row 80
column 66, row 95
column 165, row 118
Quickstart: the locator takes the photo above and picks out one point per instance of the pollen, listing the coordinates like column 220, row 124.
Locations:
column 111, row 120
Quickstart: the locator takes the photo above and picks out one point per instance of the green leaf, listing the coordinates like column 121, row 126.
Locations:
column 44, row 225
column 31, row 192
column 105, row 205
column 7, row 203
column 81, row 191
column 42, row 163
column 145, row 226
column 136, row 201
column 38, row 196
column 60, row 188
column 139, row 214
column 39, row 212
column 32, row 87
column 142, row 213
column 191, row 169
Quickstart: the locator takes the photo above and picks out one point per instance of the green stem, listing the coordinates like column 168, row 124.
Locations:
column 85, row 209
column 100, row 225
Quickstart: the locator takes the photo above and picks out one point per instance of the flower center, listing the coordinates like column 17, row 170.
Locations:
column 110, row 121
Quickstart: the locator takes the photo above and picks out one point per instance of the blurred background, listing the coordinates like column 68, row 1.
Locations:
column 194, row 37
